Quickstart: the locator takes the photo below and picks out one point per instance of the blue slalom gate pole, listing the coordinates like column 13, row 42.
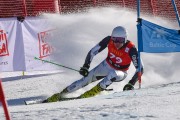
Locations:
column 139, row 34
column 176, row 11
column 138, row 8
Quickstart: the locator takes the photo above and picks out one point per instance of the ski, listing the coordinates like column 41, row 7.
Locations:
column 32, row 102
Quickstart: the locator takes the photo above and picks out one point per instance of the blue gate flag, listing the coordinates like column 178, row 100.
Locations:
column 153, row 38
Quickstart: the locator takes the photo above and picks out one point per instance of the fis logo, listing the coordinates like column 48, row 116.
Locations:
column 45, row 48
column 3, row 44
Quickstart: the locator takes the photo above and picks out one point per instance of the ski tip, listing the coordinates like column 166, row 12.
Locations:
column 25, row 102
column 31, row 102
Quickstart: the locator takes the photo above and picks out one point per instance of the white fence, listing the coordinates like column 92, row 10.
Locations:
column 20, row 42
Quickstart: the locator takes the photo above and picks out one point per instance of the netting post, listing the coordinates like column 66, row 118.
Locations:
column 94, row 3
column 4, row 103
column 154, row 7
column 56, row 6
column 124, row 3
column 24, row 6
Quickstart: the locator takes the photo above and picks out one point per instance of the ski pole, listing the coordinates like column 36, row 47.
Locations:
column 55, row 64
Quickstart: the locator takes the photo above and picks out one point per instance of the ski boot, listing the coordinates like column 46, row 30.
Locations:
column 94, row 91
column 56, row 97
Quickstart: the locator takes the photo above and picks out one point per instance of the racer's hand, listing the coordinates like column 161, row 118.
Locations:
column 84, row 70
column 128, row 87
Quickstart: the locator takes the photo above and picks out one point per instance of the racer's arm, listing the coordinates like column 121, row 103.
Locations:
column 95, row 50
column 134, row 57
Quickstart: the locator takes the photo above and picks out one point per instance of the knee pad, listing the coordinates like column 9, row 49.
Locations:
column 116, row 76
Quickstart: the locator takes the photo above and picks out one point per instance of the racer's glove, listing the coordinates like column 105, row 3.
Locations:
column 128, row 86
column 84, row 70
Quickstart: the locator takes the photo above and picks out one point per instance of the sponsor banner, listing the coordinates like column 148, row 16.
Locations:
column 37, row 36
column 8, row 28
column 157, row 39
column 21, row 42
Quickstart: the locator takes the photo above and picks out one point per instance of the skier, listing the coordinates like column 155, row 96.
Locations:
column 113, row 69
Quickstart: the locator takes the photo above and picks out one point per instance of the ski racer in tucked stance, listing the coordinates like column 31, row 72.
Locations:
column 113, row 69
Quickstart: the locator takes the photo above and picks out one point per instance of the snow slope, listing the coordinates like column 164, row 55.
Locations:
column 158, row 102
column 159, row 98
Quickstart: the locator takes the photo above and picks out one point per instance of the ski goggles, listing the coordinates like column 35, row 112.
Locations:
column 118, row 39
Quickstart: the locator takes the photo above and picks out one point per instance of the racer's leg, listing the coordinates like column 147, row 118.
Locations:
column 113, row 76
column 95, row 74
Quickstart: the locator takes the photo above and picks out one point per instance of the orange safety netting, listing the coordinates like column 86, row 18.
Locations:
column 10, row 8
